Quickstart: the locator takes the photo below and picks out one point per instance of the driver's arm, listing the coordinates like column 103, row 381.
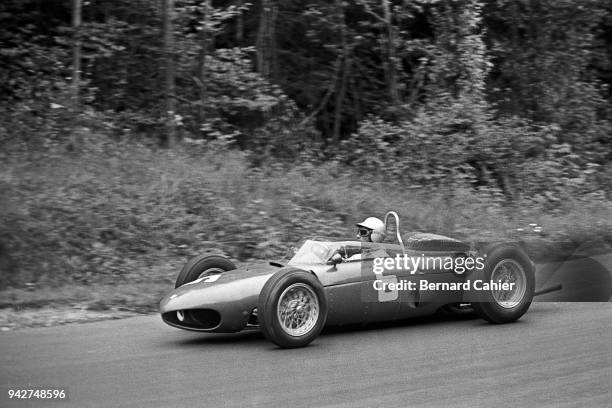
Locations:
column 353, row 253
column 349, row 253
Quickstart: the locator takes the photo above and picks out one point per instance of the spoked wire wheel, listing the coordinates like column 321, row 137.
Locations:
column 298, row 309
column 505, row 263
column 292, row 308
column 510, row 272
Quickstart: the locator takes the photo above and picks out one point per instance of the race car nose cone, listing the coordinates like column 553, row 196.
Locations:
column 180, row 315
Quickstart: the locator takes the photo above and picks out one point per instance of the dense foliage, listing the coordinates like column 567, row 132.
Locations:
column 499, row 87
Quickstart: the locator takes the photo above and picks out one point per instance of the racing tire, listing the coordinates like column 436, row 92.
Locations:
column 201, row 266
column 292, row 308
column 504, row 263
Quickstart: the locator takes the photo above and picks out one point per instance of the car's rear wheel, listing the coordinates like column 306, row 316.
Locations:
column 292, row 308
column 202, row 266
column 509, row 265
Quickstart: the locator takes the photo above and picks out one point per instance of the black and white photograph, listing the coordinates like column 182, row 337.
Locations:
column 306, row 203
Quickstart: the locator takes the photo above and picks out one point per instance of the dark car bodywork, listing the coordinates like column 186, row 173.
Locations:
column 228, row 302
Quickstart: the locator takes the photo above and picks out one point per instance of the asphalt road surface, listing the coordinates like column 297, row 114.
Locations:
column 558, row 354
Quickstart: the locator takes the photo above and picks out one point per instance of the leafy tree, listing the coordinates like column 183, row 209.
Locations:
column 545, row 53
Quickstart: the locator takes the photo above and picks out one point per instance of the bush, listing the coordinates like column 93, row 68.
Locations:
column 119, row 212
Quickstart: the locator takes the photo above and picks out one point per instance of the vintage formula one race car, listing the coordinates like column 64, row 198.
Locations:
column 337, row 282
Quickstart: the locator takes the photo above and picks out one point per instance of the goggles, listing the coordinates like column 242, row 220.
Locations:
column 363, row 232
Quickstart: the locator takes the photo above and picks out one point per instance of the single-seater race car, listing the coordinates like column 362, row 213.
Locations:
column 336, row 282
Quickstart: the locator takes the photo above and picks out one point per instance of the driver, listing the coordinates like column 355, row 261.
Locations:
column 371, row 230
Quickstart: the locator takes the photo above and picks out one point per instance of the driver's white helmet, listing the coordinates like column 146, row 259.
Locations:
column 377, row 228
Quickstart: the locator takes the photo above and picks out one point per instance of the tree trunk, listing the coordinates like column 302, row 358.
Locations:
column 202, row 68
column 340, row 99
column 168, row 11
column 391, row 63
column 340, row 95
column 76, row 68
column 266, row 44
column 239, row 25
column 516, row 96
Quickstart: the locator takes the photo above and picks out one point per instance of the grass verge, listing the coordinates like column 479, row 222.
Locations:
column 109, row 227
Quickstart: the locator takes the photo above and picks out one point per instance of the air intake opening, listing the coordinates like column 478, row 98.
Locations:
column 194, row 318
column 253, row 319
column 205, row 318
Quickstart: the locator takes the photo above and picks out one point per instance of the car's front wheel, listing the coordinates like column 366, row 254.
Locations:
column 292, row 308
column 202, row 266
